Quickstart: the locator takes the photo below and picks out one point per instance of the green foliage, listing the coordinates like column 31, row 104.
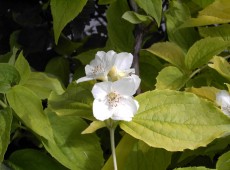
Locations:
column 176, row 121
column 135, row 18
column 119, row 31
column 28, row 107
column 223, row 162
column 9, row 77
column 152, row 8
column 202, row 51
column 28, row 158
column 171, row 78
column 63, row 12
column 44, row 48
column 70, row 147
column 5, row 128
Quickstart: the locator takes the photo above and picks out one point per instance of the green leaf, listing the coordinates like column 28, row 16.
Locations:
column 205, row 92
column 120, row 32
column 203, row 3
column 215, row 13
column 176, row 120
column 193, row 168
column 174, row 54
column 136, row 18
column 221, row 66
column 177, row 14
column 171, row 78
column 28, row 159
column 5, row 128
column 152, row 8
column 28, row 107
column 71, row 148
column 59, row 67
column 219, row 31
column 9, row 77
column 148, row 158
column 63, row 12
column 77, row 100
column 95, row 125
column 43, row 84
column 23, row 68
column 123, row 150
column 202, row 51
column 223, row 162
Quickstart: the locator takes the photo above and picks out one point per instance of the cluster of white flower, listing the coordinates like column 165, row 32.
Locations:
column 114, row 95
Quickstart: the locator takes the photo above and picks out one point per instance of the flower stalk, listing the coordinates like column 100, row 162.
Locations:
column 112, row 142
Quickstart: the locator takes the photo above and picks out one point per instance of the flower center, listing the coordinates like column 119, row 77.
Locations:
column 113, row 99
column 97, row 69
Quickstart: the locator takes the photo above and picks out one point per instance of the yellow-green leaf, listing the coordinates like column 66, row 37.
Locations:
column 203, row 50
column 223, row 162
column 221, row 66
column 170, row 52
column 95, row 125
column 176, row 120
column 171, row 78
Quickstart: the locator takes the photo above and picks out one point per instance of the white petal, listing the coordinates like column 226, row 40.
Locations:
column 123, row 61
column 84, row 79
column 88, row 69
column 100, row 110
column 125, row 110
column 100, row 90
column 223, row 98
column 127, row 86
column 100, row 54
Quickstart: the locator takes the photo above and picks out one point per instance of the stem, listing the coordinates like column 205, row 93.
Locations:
column 112, row 141
column 3, row 104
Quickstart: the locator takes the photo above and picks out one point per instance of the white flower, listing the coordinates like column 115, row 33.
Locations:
column 223, row 100
column 108, row 66
column 115, row 99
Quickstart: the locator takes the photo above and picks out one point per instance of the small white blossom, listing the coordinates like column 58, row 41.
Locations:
column 115, row 99
column 108, row 66
column 223, row 100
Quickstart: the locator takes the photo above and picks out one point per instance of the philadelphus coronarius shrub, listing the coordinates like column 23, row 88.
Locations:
column 114, row 96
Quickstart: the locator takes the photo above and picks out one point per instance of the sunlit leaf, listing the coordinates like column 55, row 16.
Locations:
column 176, row 120
column 136, row 18
column 23, row 68
column 203, row 50
column 28, row 107
column 43, row 84
column 9, row 77
column 194, row 168
column 171, row 78
column 205, row 92
column 173, row 54
column 95, row 125
column 152, row 8
column 221, row 66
